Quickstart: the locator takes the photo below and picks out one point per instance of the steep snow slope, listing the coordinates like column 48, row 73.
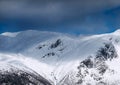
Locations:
column 19, row 75
column 58, row 57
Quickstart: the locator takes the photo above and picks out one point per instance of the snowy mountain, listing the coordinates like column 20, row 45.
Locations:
column 13, row 75
column 50, row 58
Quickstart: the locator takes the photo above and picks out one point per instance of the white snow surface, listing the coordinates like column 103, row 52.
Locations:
column 32, row 49
column 9, row 34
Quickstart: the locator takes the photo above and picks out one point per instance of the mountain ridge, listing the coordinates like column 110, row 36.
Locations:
column 56, row 56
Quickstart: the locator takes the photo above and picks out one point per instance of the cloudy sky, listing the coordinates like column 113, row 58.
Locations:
column 67, row 16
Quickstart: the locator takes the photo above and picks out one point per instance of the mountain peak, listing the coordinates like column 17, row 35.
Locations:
column 10, row 34
column 29, row 32
column 117, row 32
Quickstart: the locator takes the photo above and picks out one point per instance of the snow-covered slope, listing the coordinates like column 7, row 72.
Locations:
column 20, row 75
column 63, row 59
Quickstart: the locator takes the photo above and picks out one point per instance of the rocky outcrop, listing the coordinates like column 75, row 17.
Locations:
column 92, row 70
column 15, row 76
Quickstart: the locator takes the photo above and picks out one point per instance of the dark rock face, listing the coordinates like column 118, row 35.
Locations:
column 20, row 77
column 88, row 63
column 41, row 46
column 107, row 52
column 56, row 44
column 49, row 54
column 98, row 64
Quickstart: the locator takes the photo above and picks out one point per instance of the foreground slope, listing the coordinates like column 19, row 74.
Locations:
column 12, row 75
column 63, row 59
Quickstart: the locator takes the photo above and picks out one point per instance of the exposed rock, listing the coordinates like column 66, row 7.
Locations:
column 56, row 44
column 95, row 67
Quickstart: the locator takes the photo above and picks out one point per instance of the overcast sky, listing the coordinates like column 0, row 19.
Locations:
column 67, row 16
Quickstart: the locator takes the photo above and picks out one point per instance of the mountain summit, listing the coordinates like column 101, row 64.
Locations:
column 49, row 58
column 117, row 32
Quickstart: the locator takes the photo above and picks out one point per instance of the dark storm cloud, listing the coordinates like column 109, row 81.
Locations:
column 55, row 9
column 56, row 13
